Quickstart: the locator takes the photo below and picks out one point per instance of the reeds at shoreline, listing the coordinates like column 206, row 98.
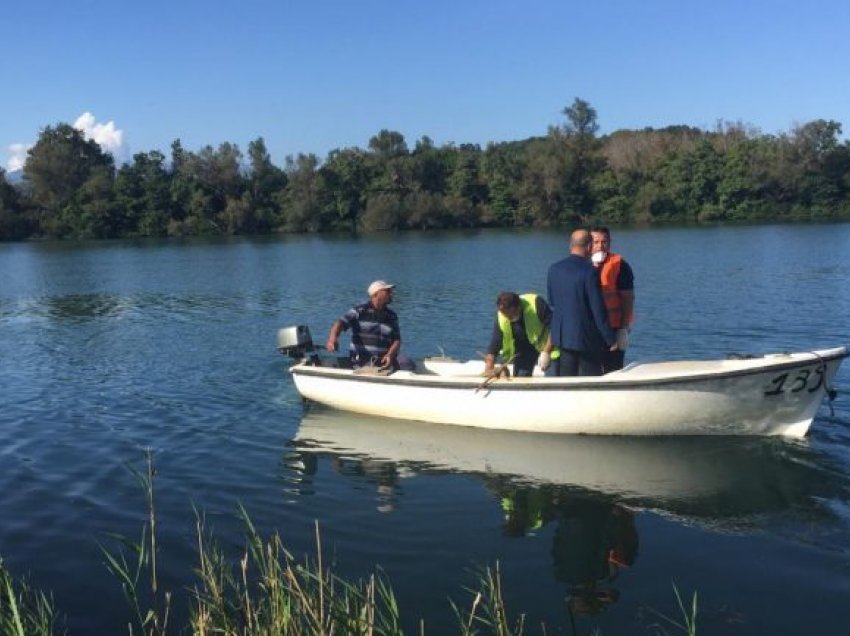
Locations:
column 269, row 592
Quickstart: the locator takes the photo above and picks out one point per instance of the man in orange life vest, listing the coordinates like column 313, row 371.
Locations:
column 618, row 290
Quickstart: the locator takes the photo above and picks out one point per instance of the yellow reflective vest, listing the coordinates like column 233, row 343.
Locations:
column 536, row 332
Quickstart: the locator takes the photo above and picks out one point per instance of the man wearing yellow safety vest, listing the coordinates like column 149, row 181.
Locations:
column 618, row 291
column 521, row 333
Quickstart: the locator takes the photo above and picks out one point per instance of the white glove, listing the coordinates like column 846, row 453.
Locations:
column 543, row 360
column 622, row 339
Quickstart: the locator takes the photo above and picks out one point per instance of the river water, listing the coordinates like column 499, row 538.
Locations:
column 110, row 348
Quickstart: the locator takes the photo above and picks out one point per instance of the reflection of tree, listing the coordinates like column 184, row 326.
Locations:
column 78, row 306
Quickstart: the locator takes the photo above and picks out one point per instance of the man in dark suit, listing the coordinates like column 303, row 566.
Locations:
column 579, row 319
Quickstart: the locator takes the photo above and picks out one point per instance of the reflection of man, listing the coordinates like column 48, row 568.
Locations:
column 384, row 474
column 579, row 319
column 593, row 541
column 525, row 510
column 618, row 290
column 593, row 538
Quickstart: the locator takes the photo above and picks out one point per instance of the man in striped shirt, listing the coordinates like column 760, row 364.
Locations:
column 375, row 334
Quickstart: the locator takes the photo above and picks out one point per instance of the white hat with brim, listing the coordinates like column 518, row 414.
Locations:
column 377, row 286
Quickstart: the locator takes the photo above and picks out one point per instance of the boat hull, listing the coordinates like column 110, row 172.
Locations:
column 774, row 395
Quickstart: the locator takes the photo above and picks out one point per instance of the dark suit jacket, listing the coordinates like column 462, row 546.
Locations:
column 579, row 317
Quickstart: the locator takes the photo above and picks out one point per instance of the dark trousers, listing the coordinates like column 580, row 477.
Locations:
column 401, row 363
column 612, row 360
column 524, row 364
column 582, row 363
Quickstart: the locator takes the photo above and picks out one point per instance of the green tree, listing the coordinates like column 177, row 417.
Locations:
column 539, row 197
column 385, row 211
column 431, row 166
column 502, row 167
column 93, row 213
column 14, row 225
column 143, row 194
column 823, row 166
column 426, row 210
column 181, row 188
column 346, row 175
column 301, row 201
column 265, row 182
column 581, row 160
column 388, row 143
column 57, row 167
column 207, row 182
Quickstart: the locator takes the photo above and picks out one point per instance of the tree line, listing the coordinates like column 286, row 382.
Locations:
column 71, row 188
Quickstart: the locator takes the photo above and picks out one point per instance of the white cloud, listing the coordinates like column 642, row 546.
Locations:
column 17, row 156
column 110, row 139
column 106, row 135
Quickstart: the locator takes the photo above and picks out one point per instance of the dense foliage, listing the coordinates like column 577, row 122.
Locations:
column 72, row 189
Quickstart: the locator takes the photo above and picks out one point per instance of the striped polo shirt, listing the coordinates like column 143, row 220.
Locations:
column 372, row 331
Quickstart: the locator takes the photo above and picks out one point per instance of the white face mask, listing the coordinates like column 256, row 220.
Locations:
column 598, row 257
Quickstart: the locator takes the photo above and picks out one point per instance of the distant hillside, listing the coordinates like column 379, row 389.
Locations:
column 15, row 176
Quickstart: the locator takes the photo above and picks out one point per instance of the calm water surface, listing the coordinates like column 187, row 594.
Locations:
column 110, row 348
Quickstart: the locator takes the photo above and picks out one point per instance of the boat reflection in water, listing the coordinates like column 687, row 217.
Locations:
column 587, row 489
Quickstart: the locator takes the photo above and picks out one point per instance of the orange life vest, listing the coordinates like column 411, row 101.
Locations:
column 608, row 274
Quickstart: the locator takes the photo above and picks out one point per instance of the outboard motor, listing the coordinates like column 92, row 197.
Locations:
column 296, row 343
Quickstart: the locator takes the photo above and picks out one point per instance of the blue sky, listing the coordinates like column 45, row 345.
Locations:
column 313, row 76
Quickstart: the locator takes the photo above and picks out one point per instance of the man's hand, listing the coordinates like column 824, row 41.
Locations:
column 543, row 360
column 497, row 374
column 622, row 339
column 333, row 337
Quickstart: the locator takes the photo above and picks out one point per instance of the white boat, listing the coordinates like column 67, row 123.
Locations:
column 775, row 394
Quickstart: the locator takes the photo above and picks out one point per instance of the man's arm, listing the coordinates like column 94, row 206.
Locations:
column 626, row 289
column 597, row 309
column 391, row 354
column 627, row 300
column 333, row 336
column 395, row 345
column 544, row 311
column 493, row 348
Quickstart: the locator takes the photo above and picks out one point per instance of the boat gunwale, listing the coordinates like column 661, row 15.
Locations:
column 561, row 384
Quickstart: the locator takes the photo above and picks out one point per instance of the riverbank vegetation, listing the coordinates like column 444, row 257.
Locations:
column 72, row 189
column 268, row 591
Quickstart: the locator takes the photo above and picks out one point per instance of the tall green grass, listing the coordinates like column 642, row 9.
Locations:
column 271, row 592
column 24, row 611
column 134, row 564
column 687, row 624
column 265, row 592
column 268, row 591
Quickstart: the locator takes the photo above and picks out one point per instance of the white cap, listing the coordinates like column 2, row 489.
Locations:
column 377, row 286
